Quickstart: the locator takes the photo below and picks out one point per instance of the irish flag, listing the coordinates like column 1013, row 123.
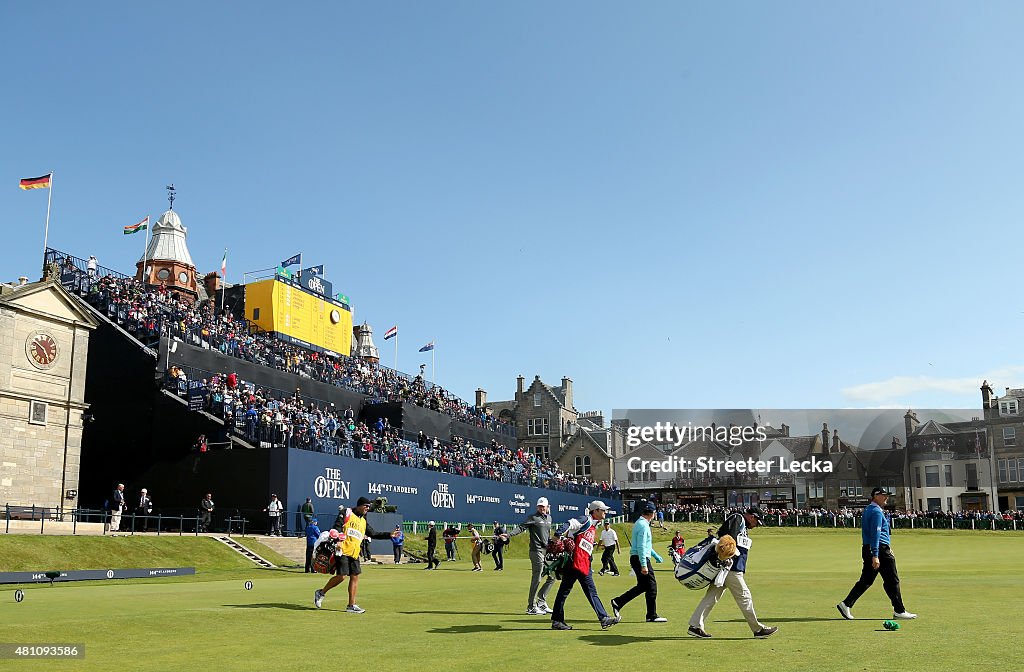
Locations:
column 141, row 226
column 224, row 265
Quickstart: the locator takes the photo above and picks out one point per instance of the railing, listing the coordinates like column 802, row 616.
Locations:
column 854, row 521
column 160, row 523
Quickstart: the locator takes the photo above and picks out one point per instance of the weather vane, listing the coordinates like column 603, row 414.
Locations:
column 170, row 195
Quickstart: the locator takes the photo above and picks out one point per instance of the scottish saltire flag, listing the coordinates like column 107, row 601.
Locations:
column 291, row 261
column 141, row 226
column 391, row 333
column 314, row 270
column 428, row 347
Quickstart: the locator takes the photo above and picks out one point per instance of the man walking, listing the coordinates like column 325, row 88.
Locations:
column 273, row 511
column 312, row 534
column 307, row 511
column 450, row 534
column 736, row 525
column 205, row 512
column 144, row 508
column 477, row 542
column 539, row 527
column 640, row 555
column 610, row 542
column 583, row 531
column 878, row 559
column 500, row 539
column 352, row 525
column 397, row 541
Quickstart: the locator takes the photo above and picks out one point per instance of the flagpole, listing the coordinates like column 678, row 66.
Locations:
column 433, row 366
column 46, row 231
column 396, row 352
column 224, row 284
column 145, row 253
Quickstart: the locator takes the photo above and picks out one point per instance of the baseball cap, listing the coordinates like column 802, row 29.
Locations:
column 648, row 507
column 879, row 491
column 363, row 501
column 543, row 501
column 598, row 504
column 756, row 512
column 431, row 523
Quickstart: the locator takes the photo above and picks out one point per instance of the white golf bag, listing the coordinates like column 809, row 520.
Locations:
column 698, row 567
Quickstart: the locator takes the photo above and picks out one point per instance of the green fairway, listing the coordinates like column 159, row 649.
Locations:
column 452, row 619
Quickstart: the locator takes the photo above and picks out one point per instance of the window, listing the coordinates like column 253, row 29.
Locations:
column 931, row 476
column 1009, row 436
column 183, row 277
column 1008, row 407
column 537, row 426
column 919, row 507
column 1014, row 473
column 816, row 489
column 949, row 503
column 849, row 464
column 972, row 476
column 1020, row 503
column 541, row 451
column 948, row 471
column 163, row 274
column 1020, row 469
column 255, row 314
column 934, row 503
column 536, row 399
column 583, row 465
column 37, row 413
column 917, row 482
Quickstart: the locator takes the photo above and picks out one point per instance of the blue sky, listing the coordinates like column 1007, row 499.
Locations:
column 675, row 204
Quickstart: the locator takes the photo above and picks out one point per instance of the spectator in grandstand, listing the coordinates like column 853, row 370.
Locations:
column 583, row 530
column 398, row 540
column 91, row 266
column 117, row 506
column 610, row 542
column 640, row 554
column 736, row 525
column 432, row 561
column 877, row 558
column 143, row 509
column 312, row 534
column 273, row 511
column 476, row 546
column 450, row 535
column 205, row 512
column 352, row 525
column 499, row 538
column 538, row 525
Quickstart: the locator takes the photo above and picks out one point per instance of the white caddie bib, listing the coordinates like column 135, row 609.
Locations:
column 354, row 533
column 587, row 546
column 744, row 542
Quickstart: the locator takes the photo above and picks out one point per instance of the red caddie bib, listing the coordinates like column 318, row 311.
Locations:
column 584, row 549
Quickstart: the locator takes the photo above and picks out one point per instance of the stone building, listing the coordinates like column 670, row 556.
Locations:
column 44, row 344
column 167, row 260
column 1004, row 417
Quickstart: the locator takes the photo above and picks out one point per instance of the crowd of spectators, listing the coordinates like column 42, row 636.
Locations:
column 151, row 312
column 272, row 418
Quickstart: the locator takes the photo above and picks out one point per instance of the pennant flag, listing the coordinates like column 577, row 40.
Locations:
column 314, row 270
column 291, row 261
column 141, row 226
column 284, row 272
column 391, row 333
column 428, row 347
column 42, row 182
column 224, row 265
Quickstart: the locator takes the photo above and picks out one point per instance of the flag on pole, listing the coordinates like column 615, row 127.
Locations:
column 42, row 182
column 141, row 226
column 391, row 333
column 314, row 270
column 224, row 265
column 291, row 261
column 428, row 347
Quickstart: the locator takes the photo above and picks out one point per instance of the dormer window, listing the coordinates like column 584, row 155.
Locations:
column 1008, row 407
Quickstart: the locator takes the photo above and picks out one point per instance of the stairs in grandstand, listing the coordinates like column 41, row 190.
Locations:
column 106, row 319
column 236, row 440
column 246, row 553
column 293, row 548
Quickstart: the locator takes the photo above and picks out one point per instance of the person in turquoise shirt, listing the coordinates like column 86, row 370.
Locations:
column 640, row 560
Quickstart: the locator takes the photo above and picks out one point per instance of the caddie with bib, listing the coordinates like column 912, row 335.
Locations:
column 352, row 528
column 582, row 531
column 735, row 528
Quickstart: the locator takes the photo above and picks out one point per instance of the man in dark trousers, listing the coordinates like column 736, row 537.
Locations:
column 450, row 534
column 539, row 527
column 312, row 534
column 432, row 561
column 878, row 559
column 143, row 509
column 205, row 512
column 398, row 541
column 736, row 525
column 500, row 538
column 610, row 541
column 640, row 554
column 583, row 532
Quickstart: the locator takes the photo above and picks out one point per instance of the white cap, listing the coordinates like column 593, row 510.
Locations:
column 543, row 501
column 431, row 523
column 598, row 504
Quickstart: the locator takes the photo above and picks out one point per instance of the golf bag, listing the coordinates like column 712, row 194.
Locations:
column 698, row 567
column 323, row 556
column 558, row 557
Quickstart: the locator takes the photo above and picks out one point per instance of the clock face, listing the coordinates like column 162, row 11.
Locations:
column 42, row 350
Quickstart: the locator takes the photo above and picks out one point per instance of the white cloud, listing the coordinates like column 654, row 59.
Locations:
column 903, row 387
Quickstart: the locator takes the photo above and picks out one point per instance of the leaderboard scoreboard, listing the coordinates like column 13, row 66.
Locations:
column 300, row 315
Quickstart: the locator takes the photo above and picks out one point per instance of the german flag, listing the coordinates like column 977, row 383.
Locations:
column 42, row 182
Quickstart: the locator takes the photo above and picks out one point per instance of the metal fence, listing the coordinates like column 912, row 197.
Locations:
column 853, row 522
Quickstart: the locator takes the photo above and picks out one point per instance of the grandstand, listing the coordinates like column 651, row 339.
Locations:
column 188, row 398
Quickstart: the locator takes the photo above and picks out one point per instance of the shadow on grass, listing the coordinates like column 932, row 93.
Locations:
column 459, row 613
column 272, row 605
column 617, row 640
column 468, row 629
column 794, row 619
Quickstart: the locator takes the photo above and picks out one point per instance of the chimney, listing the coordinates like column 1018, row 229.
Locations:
column 519, row 387
column 910, row 424
column 481, row 398
column 986, row 395
column 895, row 443
column 567, row 391
column 835, row 441
column 824, row 438
column 212, row 283
column 22, row 281
column 785, row 429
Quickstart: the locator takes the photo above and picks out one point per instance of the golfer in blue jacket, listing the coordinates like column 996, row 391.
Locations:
column 640, row 555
